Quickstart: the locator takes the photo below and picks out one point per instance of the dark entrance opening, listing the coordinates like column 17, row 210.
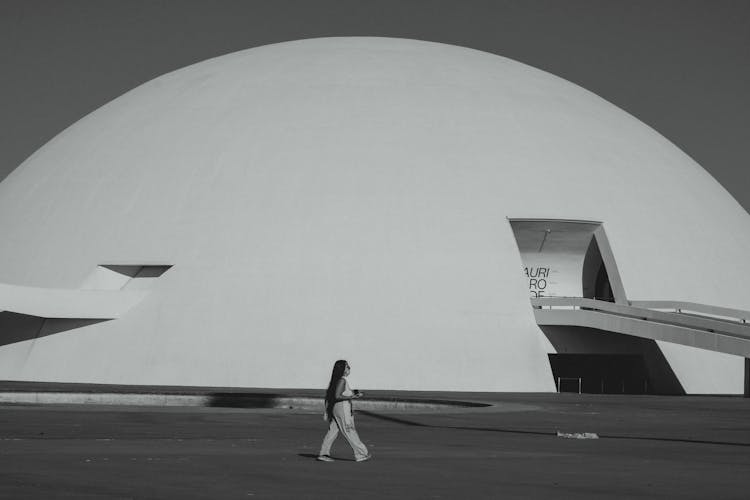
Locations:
column 601, row 373
column 605, row 360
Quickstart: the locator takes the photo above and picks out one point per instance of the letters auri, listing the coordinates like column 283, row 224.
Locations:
column 536, row 272
column 537, row 280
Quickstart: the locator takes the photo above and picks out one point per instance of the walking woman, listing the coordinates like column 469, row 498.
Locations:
column 339, row 415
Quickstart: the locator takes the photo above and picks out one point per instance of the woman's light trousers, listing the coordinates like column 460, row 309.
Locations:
column 343, row 422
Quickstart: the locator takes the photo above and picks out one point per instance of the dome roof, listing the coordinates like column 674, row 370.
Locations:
column 336, row 197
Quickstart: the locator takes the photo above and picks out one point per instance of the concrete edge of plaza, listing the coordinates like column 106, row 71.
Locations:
column 305, row 400
column 15, row 392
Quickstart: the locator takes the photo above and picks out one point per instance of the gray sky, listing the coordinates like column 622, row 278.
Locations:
column 682, row 67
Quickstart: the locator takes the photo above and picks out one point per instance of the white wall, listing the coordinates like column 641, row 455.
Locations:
column 348, row 198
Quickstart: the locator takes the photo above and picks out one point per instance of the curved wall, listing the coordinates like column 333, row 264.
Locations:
column 350, row 198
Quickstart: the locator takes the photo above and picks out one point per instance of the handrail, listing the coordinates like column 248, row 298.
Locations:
column 735, row 329
column 694, row 308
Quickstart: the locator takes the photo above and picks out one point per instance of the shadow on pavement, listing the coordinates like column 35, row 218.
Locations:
column 403, row 421
column 244, row 400
column 314, row 456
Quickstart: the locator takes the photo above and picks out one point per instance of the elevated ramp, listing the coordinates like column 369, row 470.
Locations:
column 67, row 303
column 696, row 325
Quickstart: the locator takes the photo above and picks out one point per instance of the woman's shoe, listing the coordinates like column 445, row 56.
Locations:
column 325, row 458
column 365, row 458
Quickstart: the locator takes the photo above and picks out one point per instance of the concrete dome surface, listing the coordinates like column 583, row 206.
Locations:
column 267, row 212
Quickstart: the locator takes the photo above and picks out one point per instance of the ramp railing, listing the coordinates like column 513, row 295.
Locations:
column 698, row 325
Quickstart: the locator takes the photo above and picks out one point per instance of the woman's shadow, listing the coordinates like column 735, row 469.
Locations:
column 314, row 456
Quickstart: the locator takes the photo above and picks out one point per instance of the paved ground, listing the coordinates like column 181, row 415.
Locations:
column 649, row 447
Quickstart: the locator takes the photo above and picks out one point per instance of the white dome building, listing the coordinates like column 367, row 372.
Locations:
column 248, row 220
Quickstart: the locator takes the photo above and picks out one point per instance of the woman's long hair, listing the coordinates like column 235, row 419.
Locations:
column 339, row 367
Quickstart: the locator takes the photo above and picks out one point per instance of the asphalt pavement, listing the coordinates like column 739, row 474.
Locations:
column 522, row 446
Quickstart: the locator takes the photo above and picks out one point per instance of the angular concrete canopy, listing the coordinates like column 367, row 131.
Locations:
column 350, row 198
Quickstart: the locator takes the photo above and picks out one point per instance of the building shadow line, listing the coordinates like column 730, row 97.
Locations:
column 403, row 421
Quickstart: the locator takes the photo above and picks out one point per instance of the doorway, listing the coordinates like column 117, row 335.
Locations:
column 601, row 373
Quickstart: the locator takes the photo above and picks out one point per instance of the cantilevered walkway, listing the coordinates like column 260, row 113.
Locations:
column 697, row 325
column 29, row 312
column 67, row 303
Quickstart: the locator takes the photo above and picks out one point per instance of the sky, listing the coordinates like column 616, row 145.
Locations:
column 680, row 66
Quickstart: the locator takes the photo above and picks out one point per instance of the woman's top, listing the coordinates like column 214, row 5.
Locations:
column 347, row 393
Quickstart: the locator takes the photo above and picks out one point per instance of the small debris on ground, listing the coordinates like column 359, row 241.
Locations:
column 578, row 435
